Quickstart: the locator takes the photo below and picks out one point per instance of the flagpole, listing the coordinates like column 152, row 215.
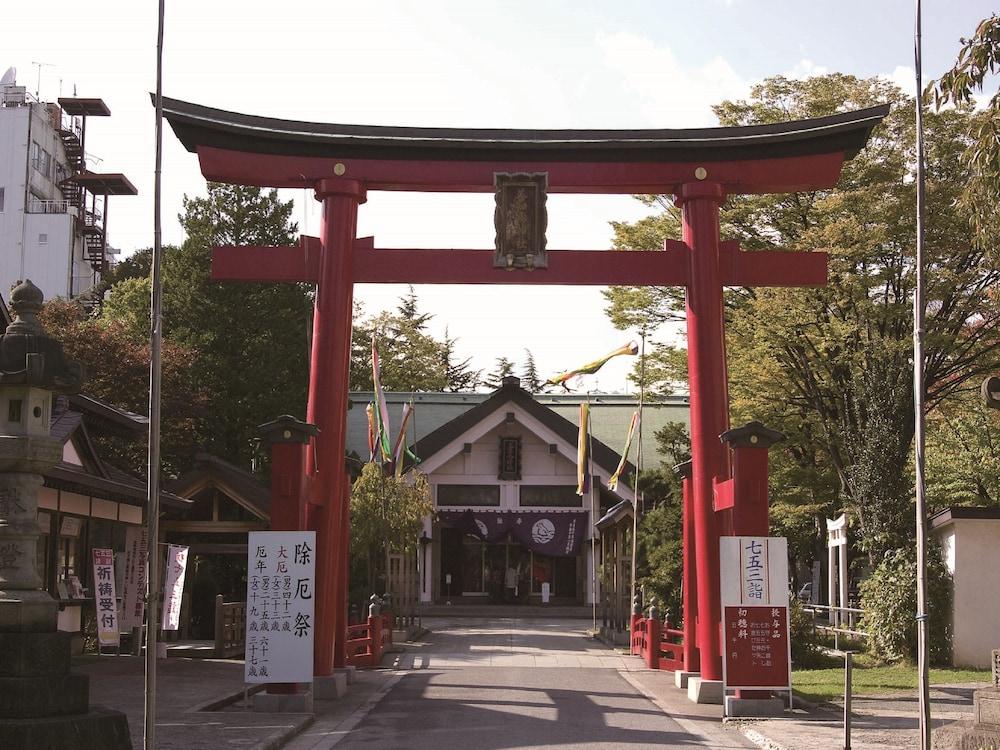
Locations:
column 593, row 513
column 918, row 409
column 638, row 463
column 155, row 347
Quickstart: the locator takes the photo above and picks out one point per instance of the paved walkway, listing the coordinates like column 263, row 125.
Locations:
column 884, row 722
column 513, row 683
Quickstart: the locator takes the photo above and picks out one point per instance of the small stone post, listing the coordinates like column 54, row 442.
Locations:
column 41, row 703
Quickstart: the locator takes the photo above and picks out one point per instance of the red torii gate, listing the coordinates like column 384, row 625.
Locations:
column 700, row 167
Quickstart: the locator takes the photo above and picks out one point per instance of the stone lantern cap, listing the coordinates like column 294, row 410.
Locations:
column 29, row 356
column 684, row 469
column 287, row 429
column 751, row 435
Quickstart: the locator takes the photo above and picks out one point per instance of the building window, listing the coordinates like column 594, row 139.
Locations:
column 468, row 494
column 549, row 496
column 510, row 458
column 41, row 160
column 1, row 199
column 43, row 239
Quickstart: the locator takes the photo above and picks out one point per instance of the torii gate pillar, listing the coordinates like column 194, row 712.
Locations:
column 329, row 376
column 709, row 397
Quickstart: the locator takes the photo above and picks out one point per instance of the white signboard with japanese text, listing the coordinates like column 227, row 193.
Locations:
column 755, row 622
column 173, row 586
column 134, row 578
column 104, row 597
column 754, row 570
column 281, row 574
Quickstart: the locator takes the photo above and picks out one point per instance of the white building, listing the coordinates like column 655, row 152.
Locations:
column 968, row 539
column 509, row 525
column 53, row 211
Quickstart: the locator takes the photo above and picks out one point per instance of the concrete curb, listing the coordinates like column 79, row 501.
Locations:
column 279, row 740
column 764, row 743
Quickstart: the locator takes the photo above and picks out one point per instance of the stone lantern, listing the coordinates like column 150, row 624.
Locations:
column 41, row 703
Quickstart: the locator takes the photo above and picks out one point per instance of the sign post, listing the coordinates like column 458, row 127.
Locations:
column 104, row 598
column 755, row 626
column 281, row 575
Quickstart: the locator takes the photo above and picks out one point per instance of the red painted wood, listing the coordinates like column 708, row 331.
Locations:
column 327, row 408
column 750, row 514
column 744, row 176
column 288, row 475
column 709, row 403
column 724, row 498
column 666, row 267
column 690, row 581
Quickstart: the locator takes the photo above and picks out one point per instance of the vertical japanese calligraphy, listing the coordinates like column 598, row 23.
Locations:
column 134, row 580
column 754, row 588
column 281, row 569
column 104, row 597
column 173, row 586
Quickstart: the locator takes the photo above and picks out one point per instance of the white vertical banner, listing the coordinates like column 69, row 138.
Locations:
column 104, row 597
column 134, row 578
column 754, row 571
column 173, row 586
column 281, row 574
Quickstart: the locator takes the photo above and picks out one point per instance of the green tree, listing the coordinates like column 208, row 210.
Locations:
column 978, row 61
column 251, row 339
column 386, row 516
column 830, row 367
column 458, row 373
column 116, row 366
column 530, row 379
column 502, row 369
column 410, row 358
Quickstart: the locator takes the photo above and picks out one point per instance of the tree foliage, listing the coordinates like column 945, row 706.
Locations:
column 978, row 60
column 831, row 367
column 250, row 340
column 116, row 368
column 889, row 599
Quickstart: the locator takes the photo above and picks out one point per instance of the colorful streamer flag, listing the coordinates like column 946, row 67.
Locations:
column 583, row 452
column 400, row 451
column 381, row 409
column 613, row 481
column 370, row 411
column 591, row 367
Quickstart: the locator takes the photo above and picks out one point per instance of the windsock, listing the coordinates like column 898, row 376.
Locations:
column 583, row 452
column 591, row 367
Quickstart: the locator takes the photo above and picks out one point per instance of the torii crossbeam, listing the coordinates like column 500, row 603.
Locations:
column 700, row 167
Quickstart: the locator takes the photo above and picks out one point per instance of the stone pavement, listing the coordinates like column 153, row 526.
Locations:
column 518, row 683
column 883, row 722
column 184, row 685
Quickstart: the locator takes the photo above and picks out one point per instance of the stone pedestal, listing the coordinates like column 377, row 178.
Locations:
column 42, row 705
column 705, row 691
column 330, row 687
column 754, row 707
column 682, row 678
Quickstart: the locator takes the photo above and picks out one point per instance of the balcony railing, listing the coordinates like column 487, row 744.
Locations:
column 38, row 206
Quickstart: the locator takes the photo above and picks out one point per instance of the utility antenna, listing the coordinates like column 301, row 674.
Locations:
column 38, row 80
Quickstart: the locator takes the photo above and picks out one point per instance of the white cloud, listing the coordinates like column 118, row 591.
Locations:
column 806, row 68
column 670, row 94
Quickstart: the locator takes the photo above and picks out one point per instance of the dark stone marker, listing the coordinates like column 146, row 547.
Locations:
column 42, row 705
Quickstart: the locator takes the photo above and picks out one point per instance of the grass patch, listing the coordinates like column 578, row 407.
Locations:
column 871, row 678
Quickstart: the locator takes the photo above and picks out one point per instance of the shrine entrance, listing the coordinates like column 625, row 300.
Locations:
column 699, row 167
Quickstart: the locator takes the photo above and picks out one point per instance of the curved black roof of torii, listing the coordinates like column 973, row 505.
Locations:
column 196, row 125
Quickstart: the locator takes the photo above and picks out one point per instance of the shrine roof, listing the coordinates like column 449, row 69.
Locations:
column 196, row 125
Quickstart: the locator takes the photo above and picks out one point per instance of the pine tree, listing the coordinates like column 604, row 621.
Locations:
column 458, row 374
column 502, row 369
column 530, row 381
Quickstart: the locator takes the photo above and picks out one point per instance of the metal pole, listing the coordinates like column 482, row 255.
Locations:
column 918, row 413
column 155, row 345
column 848, row 666
column 638, row 460
column 593, row 516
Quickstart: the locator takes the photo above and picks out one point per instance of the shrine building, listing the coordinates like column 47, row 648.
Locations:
column 509, row 526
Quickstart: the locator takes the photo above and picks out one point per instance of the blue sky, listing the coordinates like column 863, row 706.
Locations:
column 449, row 63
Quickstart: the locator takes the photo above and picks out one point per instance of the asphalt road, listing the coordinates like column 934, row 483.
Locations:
column 478, row 685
